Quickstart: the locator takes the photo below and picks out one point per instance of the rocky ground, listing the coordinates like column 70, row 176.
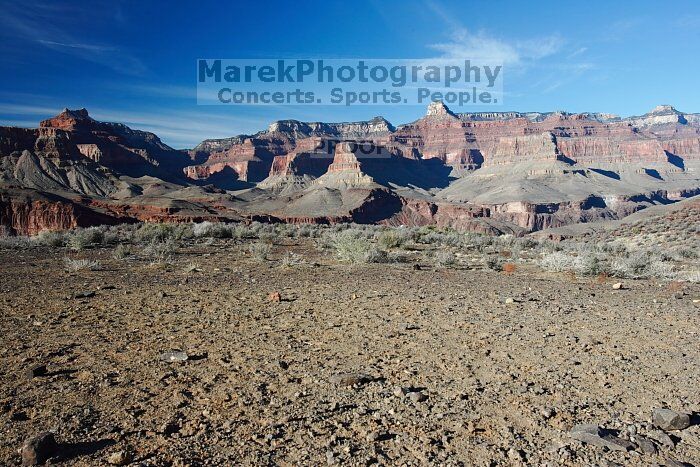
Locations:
column 312, row 361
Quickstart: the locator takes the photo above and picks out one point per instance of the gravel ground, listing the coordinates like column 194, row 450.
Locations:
column 353, row 365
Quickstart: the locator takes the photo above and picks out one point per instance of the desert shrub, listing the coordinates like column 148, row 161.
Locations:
column 444, row 239
column 478, row 242
column 505, row 241
column 208, row 229
column 633, row 267
column 241, row 231
column 688, row 276
column 50, row 238
column 190, row 268
column 160, row 251
column 494, row 263
column 291, row 259
column 558, row 262
column 74, row 265
column 684, row 252
column 444, row 258
column 257, row 229
column 306, row 231
column 393, row 238
column 525, row 243
column 121, row 252
column 268, row 237
column 79, row 239
column 643, row 265
column 589, row 265
column 351, row 247
column 286, row 230
column 160, row 233
column 584, row 263
column 111, row 237
column 260, row 251
column 509, row 268
column 14, row 242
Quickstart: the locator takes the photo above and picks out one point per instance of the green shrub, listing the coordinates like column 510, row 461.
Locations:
column 50, row 238
column 79, row 239
column 351, row 247
column 74, row 265
column 393, row 238
column 260, row 251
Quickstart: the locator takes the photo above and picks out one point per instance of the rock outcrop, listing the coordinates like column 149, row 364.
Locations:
column 487, row 171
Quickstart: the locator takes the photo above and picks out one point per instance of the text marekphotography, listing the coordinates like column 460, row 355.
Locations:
column 460, row 82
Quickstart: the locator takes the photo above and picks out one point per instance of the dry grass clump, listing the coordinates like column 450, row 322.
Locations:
column 352, row 246
column 74, row 265
column 260, row 251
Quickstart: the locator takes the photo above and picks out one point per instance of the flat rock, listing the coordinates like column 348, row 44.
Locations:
column 86, row 294
column 592, row 434
column 38, row 449
column 119, row 458
column 670, row 420
column 174, row 356
column 35, row 370
column 645, row 444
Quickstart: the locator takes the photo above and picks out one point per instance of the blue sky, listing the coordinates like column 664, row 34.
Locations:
column 135, row 62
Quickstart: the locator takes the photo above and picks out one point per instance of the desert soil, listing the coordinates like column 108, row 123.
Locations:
column 455, row 373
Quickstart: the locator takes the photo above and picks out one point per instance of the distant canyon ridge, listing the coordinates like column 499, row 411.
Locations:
column 491, row 172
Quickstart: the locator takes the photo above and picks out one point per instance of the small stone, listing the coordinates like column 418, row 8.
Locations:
column 617, row 286
column 509, row 301
column 38, row 449
column 274, row 297
column 416, row 396
column 174, row 356
column 670, row 420
column 349, row 379
column 662, row 438
column 400, row 391
column 372, row 436
column 516, row 455
column 86, row 294
column 646, row 445
column 168, row 428
column 119, row 458
column 592, row 434
column 36, row 370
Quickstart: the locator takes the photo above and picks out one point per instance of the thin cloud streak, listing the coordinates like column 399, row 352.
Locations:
column 36, row 24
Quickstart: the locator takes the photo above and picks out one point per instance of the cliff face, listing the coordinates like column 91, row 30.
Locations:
column 27, row 213
column 113, row 145
column 466, row 142
column 486, row 171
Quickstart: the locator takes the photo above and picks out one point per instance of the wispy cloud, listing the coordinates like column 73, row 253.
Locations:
column 43, row 25
column 481, row 45
column 541, row 64
column 577, row 52
column 89, row 47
